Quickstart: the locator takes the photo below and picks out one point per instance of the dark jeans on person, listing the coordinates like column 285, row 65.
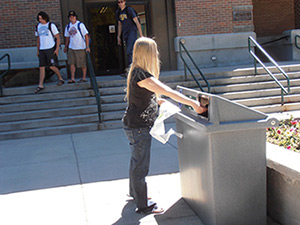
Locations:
column 140, row 144
column 130, row 39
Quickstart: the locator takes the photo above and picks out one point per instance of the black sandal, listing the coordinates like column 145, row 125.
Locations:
column 60, row 82
column 71, row 81
column 38, row 89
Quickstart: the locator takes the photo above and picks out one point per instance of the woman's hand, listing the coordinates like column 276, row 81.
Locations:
column 198, row 108
column 160, row 100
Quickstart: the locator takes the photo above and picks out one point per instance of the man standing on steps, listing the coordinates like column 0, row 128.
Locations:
column 128, row 24
column 76, row 44
column 47, row 48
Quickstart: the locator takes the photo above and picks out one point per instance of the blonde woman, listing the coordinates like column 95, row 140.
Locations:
column 143, row 87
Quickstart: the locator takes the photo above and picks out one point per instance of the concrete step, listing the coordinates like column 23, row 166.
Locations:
column 257, row 93
column 219, row 85
column 47, row 105
column 61, row 103
column 56, row 130
column 251, row 86
column 72, row 108
column 115, row 124
column 278, row 107
column 269, row 100
column 59, row 121
column 49, row 87
column 60, row 112
column 48, row 122
column 46, row 96
column 48, row 113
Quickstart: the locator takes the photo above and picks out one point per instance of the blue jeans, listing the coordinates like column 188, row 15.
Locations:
column 140, row 144
column 130, row 40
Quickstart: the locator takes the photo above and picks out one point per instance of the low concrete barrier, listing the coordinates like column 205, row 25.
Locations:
column 214, row 50
column 26, row 58
column 283, row 193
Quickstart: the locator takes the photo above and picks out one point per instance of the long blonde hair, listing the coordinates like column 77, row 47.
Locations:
column 145, row 56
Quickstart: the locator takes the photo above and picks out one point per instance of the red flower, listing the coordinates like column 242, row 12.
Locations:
column 288, row 147
column 278, row 132
column 294, row 122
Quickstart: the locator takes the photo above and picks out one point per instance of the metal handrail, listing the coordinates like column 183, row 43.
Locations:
column 94, row 84
column 181, row 46
column 296, row 43
column 5, row 72
column 283, row 89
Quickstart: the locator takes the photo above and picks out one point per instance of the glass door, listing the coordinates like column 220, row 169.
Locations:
column 108, row 57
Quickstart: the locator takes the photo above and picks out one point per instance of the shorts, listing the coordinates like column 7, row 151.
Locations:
column 48, row 58
column 77, row 57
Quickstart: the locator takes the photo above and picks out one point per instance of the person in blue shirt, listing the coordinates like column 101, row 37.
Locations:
column 129, row 25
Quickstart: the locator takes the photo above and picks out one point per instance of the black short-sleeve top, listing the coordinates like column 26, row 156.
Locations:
column 142, row 106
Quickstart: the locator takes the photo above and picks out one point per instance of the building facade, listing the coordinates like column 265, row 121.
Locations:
column 210, row 28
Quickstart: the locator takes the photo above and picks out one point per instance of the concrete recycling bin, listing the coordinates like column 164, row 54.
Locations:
column 222, row 161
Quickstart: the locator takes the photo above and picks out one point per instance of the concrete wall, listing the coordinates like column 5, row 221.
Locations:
column 281, row 50
column 215, row 50
column 24, row 58
column 290, row 43
column 283, row 184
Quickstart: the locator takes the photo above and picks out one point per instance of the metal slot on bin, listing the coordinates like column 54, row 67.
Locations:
column 222, row 160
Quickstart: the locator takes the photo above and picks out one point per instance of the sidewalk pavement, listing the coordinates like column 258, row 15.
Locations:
column 82, row 179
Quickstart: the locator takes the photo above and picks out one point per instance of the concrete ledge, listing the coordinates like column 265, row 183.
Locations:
column 216, row 50
column 26, row 58
column 283, row 185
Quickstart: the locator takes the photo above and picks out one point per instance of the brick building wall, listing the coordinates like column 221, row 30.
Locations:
column 199, row 17
column 18, row 20
column 297, row 14
column 272, row 17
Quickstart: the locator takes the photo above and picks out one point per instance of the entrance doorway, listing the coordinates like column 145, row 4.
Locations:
column 108, row 57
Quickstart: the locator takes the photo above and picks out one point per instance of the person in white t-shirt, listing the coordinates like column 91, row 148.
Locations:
column 76, row 44
column 47, row 49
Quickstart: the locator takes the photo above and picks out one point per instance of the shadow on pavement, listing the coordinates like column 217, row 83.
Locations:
column 71, row 159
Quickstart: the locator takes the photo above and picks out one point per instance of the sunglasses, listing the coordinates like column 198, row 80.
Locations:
column 120, row 2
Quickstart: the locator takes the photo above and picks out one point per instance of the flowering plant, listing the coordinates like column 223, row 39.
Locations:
column 287, row 134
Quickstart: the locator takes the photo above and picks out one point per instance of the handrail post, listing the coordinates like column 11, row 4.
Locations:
column 181, row 41
column 296, row 42
column 1, row 90
column 94, row 85
column 282, row 99
column 249, row 49
column 255, row 67
column 5, row 72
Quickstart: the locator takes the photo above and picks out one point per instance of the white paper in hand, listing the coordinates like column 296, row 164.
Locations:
column 166, row 110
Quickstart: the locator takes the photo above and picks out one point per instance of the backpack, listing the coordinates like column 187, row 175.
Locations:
column 126, row 11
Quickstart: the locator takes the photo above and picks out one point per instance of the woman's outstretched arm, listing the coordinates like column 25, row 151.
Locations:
column 154, row 85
